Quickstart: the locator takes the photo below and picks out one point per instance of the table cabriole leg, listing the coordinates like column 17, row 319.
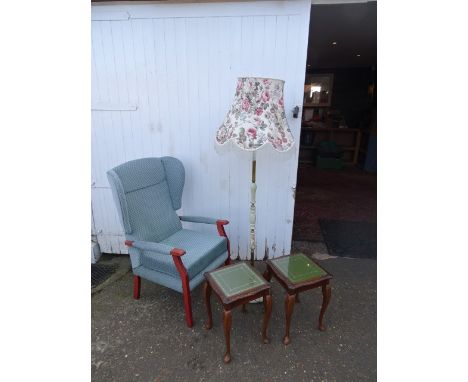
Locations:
column 207, row 297
column 288, row 307
column 266, row 317
column 326, row 293
column 227, row 321
column 267, row 276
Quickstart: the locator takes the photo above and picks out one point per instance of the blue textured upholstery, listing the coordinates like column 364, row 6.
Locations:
column 147, row 193
column 162, row 249
column 174, row 283
column 198, row 219
column 175, row 175
column 143, row 193
column 201, row 249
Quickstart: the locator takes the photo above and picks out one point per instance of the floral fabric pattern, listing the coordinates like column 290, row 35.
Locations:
column 257, row 116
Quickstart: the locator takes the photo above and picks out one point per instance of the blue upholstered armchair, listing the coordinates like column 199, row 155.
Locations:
column 147, row 193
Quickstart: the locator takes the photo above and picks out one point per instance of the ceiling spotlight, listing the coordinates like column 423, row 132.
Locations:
column 334, row 43
column 358, row 55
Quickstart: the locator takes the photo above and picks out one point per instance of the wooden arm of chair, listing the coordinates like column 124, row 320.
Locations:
column 177, row 252
column 220, row 226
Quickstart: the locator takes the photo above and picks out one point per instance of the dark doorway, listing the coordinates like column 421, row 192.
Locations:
column 336, row 194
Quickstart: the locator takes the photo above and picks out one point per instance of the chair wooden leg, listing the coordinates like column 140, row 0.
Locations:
column 136, row 287
column 185, row 289
column 187, row 302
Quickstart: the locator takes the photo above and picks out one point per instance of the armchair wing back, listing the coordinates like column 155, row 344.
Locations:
column 147, row 192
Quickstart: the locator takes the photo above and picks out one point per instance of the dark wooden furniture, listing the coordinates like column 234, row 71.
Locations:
column 348, row 140
column 298, row 273
column 234, row 285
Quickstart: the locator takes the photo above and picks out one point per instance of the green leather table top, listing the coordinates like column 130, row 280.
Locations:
column 298, row 268
column 236, row 279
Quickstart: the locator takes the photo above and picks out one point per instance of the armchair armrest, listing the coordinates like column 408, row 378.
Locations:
column 219, row 225
column 198, row 219
column 176, row 254
column 155, row 247
column 201, row 219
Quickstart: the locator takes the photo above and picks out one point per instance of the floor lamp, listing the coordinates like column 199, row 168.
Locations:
column 256, row 118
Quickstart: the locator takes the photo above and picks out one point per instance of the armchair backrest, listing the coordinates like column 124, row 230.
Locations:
column 147, row 193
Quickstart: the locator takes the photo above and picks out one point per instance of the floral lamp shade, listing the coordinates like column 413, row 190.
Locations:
column 257, row 116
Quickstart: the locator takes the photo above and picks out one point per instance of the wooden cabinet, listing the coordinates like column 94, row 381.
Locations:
column 312, row 133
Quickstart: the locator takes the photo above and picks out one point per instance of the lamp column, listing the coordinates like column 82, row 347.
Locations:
column 253, row 191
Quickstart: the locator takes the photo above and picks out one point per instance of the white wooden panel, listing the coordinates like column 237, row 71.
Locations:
column 178, row 65
column 112, row 106
column 189, row 10
column 109, row 15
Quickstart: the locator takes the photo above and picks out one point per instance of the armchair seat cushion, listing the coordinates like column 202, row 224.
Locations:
column 201, row 250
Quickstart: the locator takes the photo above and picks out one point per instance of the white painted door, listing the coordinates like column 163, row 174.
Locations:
column 163, row 78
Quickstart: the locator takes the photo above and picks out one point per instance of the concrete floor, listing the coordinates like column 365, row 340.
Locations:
column 147, row 339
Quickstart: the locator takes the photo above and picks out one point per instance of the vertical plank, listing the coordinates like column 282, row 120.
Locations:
column 143, row 113
column 130, row 134
column 192, row 112
column 119, row 64
column 152, row 134
column 162, row 86
column 203, row 159
column 111, row 120
column 171, row 86
column 182, row 136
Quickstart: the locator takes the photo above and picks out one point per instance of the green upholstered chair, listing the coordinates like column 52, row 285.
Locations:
column 147, row 193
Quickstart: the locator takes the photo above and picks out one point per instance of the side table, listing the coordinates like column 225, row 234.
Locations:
column 235, row 285
column 298, row 273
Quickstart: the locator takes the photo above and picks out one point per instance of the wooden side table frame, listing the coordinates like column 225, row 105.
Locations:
column 230, row 302
column 293, row 289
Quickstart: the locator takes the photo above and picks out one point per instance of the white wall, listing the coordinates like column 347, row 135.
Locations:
column 163, row 77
